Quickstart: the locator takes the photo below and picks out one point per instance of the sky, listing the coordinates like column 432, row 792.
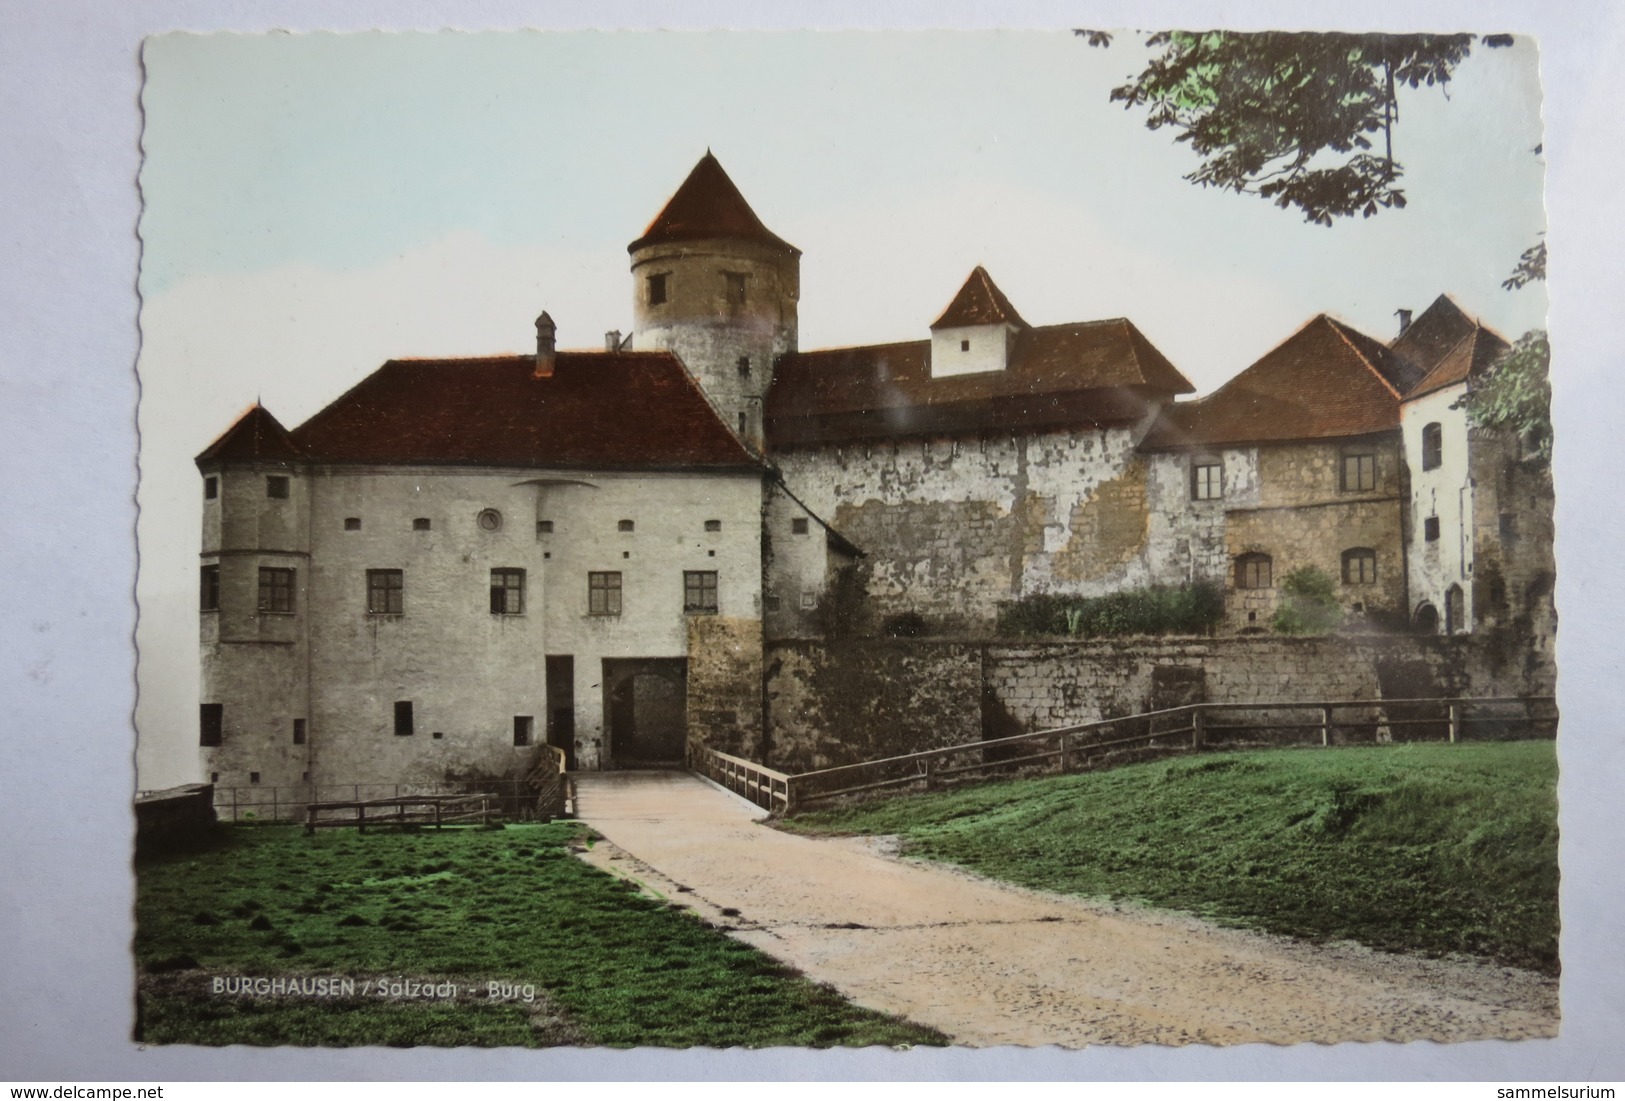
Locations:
column 315, row 204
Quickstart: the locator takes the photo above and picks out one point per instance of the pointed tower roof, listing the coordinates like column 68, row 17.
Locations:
column 256, row 437
column 979, row 302
column 1430, row 338
column 708, row 205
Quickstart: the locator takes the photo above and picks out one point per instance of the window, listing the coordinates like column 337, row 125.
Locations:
column 657, row 289
column 713, row 525
column 1430, row 529
column 1432, row 446
column 421, row 524
column 276, row 589
column 1508, row 525
column 211, row 723
column 742, row 423
column 299, row 732
column 209, row 589
column 625, row 525
column 964, row 345
column 276, row 485
column 352, row 523
column 211, row 488
column 798, row 526
column 736, row 287
column 1254, row 571
column 386, row 592
column 1360, row 566
column 744, row 366
column 699, row 590
column 403, row 717
column 523, row 727
column 544, row 527
column 489, row 519
column 253, row 777
column 1207, row 481
column 1359, row 472
column 603, row 594
column 507, row 592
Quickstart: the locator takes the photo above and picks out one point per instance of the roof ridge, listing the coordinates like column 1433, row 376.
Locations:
column 1339, row 328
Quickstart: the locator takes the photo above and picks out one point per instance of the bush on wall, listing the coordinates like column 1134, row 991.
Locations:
column 1308, row 603
column 1158, row 610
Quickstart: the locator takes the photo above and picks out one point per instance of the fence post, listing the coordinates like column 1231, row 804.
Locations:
column 1066, row 751
column 930, row 774
column 310, row 819
column 1198, row 728
column 1325, row 726
column 1455, row 720
column 360, row 818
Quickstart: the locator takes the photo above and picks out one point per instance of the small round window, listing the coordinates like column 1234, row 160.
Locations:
column 490, row 519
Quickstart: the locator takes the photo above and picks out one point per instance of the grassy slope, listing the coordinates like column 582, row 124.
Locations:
column 1433, row 848
column 510, row 904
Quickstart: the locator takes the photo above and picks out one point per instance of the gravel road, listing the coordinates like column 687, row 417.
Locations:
column 991, row 964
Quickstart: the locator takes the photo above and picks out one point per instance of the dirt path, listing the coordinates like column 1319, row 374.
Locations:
column 990, row 964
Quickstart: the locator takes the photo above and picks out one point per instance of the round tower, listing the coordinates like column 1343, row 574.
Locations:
column 716, row 287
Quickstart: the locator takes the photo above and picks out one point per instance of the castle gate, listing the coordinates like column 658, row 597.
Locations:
column 645, row 711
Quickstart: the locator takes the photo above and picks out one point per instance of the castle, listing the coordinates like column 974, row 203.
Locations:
column 458, row 561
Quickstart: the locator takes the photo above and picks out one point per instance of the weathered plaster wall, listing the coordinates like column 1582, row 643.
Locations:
column 725, row 684
column 989, row 349
column 951, row 528
column 1445, row 493
column 795, row 567
column 862, row 700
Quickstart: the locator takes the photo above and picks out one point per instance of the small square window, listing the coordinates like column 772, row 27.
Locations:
column 625, row 525
column 211, row 488
column 713, row 525
column 544, row 527
column 214, row 777
column 1430, row 529
column 209, row 589
column 211, row 724
column 253, row 777
column 305, row 776
column 352, row 523
column 403, row 717
column 276, row 485
column 700, row 591
column 299, row 732
column 798, row 526
column 386, row 592
column 657, row 289
column 604, row 593
column 626, row 554
column 523, row 726
column 744, row 366
column 276, row 589
column 507, row 592
column 437, row 735
column 1207, row 481
column 964, row 345
column 421, row 524
column 1359, row 472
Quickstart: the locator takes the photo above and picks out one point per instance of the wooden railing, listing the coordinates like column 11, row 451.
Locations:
column 763, row 786
column 409, row 810
column 1192, row 728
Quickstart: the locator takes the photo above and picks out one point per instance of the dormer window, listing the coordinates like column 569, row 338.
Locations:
column 657, row 289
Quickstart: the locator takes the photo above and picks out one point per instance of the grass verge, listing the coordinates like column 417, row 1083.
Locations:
column 608, row 966
column 1429, row 848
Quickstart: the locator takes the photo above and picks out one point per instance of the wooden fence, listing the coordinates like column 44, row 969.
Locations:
column 409, row 810
column 1193, row 728
column 264, row 804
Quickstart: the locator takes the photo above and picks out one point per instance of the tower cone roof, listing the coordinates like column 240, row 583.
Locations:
column 979, row 302
column 708, row 206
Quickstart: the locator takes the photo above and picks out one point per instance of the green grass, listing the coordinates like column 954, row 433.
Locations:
column 610, row 966
column 1429, row 848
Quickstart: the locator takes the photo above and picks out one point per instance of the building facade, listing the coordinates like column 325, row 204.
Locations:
column 458, row 562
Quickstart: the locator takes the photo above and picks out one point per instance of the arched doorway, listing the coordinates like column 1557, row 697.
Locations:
column 1426, row 620
column 646, row 711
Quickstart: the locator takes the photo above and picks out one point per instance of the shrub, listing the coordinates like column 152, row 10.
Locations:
column 1158, row 610
column 1308, row 603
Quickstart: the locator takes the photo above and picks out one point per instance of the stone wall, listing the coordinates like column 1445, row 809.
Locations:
column 174, row 819
column 835, row 704
column 725, row 684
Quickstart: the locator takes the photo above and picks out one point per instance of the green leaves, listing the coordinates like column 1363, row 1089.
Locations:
column 1515, row 395
column 1309, row 603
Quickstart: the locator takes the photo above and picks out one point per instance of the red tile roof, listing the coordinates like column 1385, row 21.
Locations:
column 979, row 302
column 1430, row 337
column 708, row 206
column 1084, row 374
column 598, row 410
column 256, row 436
column 1324, row 381
column 1471, row 356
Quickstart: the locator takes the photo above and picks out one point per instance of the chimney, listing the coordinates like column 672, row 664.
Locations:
column 1404, row 320
column 612, row 340
column 545, row 348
